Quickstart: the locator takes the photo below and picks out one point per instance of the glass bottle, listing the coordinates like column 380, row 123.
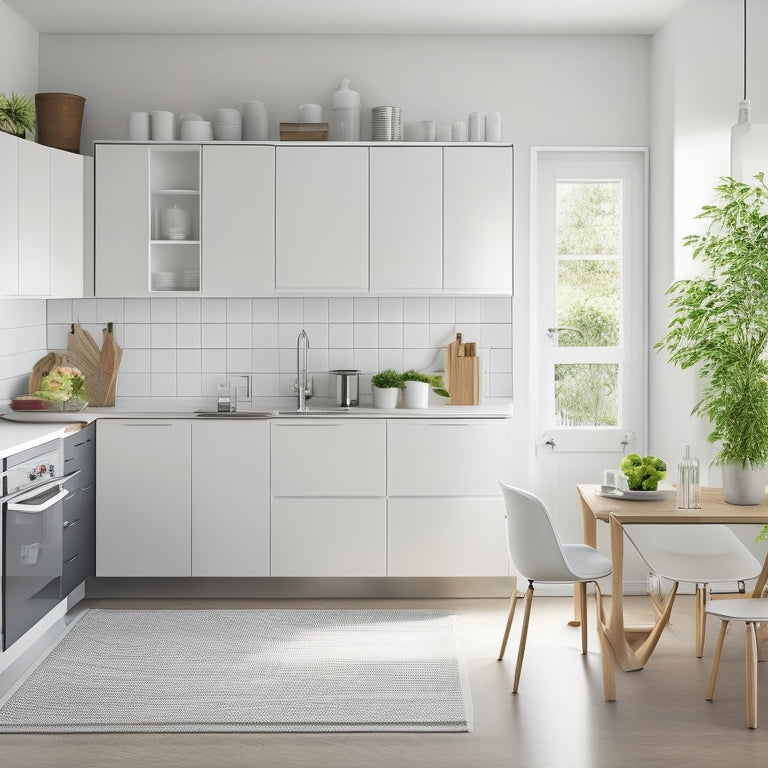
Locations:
column 688, row 485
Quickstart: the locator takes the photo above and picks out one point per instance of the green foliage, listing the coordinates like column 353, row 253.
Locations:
column 588, row 218
column 586, row 393
column 643, row 472
column 720, row 321
column 17, row 114
column 388, row 379
column 63, row 383
column 434, row 381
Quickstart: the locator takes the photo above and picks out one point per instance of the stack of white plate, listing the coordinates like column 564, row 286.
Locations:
column 228, row 125
column 387, row 123
column 183, row 280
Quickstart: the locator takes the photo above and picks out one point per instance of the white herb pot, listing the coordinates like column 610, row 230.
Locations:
column 744, row 486
column 416, row 394
column 385, row 397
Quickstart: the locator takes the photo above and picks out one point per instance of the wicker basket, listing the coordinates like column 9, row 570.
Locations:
column 59, row 120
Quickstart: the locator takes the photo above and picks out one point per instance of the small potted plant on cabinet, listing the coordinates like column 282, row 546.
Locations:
column 417, row 386
column 720, row 324
column 17, row 114
column 386, row 387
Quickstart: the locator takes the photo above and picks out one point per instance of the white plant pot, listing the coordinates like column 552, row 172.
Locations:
column 416, row 394
column 385, row 397
column 744, row 486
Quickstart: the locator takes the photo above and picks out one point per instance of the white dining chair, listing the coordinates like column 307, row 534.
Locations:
column 694, row 554
column 751, row 611
column 539, row 556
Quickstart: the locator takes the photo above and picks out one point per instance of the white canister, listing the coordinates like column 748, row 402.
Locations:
column 493, row 126
column 138, row 126
column 163, row 125
column 443, row 132
column 310, row 113
column 255, row 121
column 174, row 224
column 476, row 123
column 460, row 131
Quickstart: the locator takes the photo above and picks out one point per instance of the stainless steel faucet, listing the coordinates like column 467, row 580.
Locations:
column 303, row 384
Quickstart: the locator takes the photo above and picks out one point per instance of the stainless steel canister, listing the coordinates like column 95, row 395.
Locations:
column 347, row 387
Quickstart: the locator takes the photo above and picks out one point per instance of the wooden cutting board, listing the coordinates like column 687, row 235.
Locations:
column 98, row 366
column 462, row 372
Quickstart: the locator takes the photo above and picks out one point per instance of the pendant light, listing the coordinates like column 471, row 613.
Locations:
column 749, row 141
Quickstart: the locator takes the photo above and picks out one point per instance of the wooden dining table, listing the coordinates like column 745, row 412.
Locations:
column 630, row 646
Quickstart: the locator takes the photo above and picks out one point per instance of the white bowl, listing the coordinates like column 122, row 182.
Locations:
column 196, row 130
column 227, row 115
column 223, row 132
column 190, row 116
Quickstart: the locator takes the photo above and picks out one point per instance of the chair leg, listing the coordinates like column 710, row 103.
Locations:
column 512, row 606
column 701, row 619
column 751, row 676
column 716, row 660
column 583, row 612
column 523, row 635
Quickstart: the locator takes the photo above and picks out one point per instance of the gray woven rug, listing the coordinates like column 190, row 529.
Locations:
column 248, row 670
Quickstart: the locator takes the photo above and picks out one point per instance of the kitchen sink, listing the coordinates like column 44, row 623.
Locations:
column 340, row 411
column 236, row 414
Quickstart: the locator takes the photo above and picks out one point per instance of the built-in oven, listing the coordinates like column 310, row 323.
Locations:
column 32, row 538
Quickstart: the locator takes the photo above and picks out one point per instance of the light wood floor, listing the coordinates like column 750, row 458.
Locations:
column 557, row 719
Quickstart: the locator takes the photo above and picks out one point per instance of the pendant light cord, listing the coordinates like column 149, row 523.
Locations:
column 745, row 50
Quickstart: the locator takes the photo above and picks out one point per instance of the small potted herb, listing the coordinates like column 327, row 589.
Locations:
column 17, row 114
column 417, row 386
column 643, row 472
column 386, row 387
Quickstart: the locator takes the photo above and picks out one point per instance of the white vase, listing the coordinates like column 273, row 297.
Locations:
column 416, row 394
column 743, row 487
column 385, row 397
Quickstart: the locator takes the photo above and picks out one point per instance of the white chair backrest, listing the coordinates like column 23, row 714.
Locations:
column 533, row 542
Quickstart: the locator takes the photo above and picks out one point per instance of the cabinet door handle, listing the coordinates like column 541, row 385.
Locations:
column 69, row 524
column 71, row 559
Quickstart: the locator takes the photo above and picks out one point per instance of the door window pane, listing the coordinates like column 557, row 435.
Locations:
column 588, row 300
column 586, row 394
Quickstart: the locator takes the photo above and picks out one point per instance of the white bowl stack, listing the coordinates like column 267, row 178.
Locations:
column 228, row 125
column 196, row 130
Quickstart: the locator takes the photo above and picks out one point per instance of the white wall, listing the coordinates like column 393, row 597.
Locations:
column 18, row 54
column 22, row 322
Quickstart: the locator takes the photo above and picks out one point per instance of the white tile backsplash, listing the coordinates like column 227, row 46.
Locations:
column 185, row 347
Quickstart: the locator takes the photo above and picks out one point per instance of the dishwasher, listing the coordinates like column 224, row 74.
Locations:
column 33, row 489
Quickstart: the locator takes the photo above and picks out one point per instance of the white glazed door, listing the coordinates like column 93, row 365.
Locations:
column 590, row 272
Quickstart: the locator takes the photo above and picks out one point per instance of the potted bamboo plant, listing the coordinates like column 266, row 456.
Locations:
column 720, row 325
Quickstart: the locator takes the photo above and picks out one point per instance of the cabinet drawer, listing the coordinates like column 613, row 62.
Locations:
column 79, row 522
column 329, row 458
column 446, row 537
column 446, row 458
column 329, row 537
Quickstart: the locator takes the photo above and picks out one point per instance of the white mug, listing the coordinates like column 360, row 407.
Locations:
column 310, row 113
column 138, row 126
column 163, row 125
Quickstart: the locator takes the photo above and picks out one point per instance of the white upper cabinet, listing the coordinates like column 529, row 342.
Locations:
column 34, row 219
column 71, row 223
column 406, row 210
column 122, row 219
column 238, row 230
column 478, row 216
column 9, row 214
column 321, row 214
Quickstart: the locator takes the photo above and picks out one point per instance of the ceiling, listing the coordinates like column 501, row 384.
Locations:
column 348, row 16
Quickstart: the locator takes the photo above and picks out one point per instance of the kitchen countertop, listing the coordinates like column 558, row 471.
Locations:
column 15, row 437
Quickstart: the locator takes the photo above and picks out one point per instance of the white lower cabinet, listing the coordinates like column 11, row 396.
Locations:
column 230, row 498
column 446, row 537
column 329, row 537
column 143, row 497
column 445, row 509
column 329, row 507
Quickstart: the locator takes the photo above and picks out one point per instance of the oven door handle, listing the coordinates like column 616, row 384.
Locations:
column 30, row 493
column 47, row 503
